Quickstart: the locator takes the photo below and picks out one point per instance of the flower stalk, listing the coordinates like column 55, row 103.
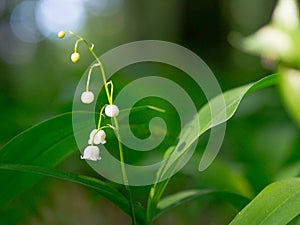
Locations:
column 111, row 110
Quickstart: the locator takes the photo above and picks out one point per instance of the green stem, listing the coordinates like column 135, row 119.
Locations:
column 100, row 117
column 159, row 186
column 152, row 203
column 89, row 76
column 124, row 175
column 103, row 75
column 110, row 101
column 90, row 47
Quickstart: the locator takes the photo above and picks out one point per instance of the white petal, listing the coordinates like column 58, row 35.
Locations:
column 111, row 110
column 91, row 153
column 270, row 41
column 276, row 40
column 87, row 97
column 97, row 137
column 93, row 132
column 286, row 14
column 100, row 137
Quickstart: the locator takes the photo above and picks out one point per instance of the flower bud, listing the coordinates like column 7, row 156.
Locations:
column 87, row 97
column 111, row 110
column 75, row 57
column 61, row 34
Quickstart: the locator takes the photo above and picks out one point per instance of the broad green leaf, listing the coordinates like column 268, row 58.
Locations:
column 277, row 204
column 172, row 201
column 232, row 100
column 50, row 142
column 45, row 144
column 101, row 187
column 189, row 135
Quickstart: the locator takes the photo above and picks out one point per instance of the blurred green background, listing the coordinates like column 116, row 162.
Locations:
column 38, row 81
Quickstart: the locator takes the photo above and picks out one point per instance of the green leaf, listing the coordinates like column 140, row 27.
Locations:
column 40, row 148
column 189, row 135
column 45, row 144
column 174, row 200
column 232, row 99
column 50, row 142
column 277, row 204
column 101, row 187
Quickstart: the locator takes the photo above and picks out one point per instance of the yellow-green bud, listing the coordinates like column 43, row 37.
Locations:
column 61, row 34
column 75, row 57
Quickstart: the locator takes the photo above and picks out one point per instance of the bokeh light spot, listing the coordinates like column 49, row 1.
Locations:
column 12, row 49
column 23, row 23
column 55, row 15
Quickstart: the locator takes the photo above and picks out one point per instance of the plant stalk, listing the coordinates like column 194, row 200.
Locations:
column 123, row 169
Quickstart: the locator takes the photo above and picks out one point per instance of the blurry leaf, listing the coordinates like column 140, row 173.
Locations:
column 232, row 100
column 232, row 179
column 101, row 187
column 277, row 204
column 172, row 201
column 291, row 170
column 290, row 90
column 38, row 149
column 279, row 39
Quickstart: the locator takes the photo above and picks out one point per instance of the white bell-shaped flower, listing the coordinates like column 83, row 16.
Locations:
column 87, row 97
column 91, row 153
column 97, row 137
column 112, row 110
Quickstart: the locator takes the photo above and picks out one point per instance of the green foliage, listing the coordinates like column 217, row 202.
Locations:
column 45, row 144
column 101, row 187
column 259, row 149
column 179, row 198
column 232, row 100
column 277, row 204
column 56, row 142
column 278, row 44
